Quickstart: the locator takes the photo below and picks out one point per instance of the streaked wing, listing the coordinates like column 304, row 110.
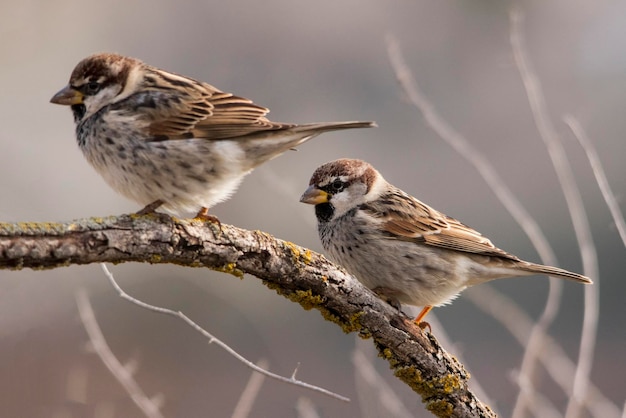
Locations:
column 180, row 107
column 406, row 218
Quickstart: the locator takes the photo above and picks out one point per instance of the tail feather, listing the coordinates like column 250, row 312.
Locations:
column 265, row 145
column 309, row 131
column 555, row 272
column 318, row 128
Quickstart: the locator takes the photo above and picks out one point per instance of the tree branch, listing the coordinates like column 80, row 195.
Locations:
column 292, row 271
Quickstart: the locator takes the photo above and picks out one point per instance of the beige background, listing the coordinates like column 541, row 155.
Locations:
column 307, row 61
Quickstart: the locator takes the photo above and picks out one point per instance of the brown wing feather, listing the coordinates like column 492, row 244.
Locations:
column 199, row 110
column 412, row 220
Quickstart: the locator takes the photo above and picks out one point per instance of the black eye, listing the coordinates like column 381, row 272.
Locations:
column 92, row 87
column 337, row 185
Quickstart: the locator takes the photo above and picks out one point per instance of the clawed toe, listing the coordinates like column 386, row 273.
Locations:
column 423, row 325
column 203, row 215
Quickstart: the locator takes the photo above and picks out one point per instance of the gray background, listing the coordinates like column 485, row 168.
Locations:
column 307, row 61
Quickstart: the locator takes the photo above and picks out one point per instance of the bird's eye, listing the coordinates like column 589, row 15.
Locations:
column 337, row 185
column 92, row 87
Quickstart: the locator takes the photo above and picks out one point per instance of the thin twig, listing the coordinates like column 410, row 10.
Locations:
column 388, row 404
column 575, row 206
column 541, row 406
column 250, row 392
column 598, row 172
column 117, row 369
column 377, row 398
column 306, row 409
column 492, row 179
column 555, row 360
column 214, row 340
column 465, row 149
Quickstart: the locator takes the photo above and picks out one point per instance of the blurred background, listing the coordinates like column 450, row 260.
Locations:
column 308, row 62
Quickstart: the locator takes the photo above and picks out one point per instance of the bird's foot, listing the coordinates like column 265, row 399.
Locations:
column 419, row 321
column 203, row 215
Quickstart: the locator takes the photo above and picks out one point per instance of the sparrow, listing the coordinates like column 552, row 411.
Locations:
column 402, row 249
column 166, row 140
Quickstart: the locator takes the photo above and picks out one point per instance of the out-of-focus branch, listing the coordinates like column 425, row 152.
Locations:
column 376, row 397
column 250, row 392
column 598, row 172
column 499, row 188
column 292, row 271
column 123, row 374
column 554, row 359
column 576, row 209
column 466, row 150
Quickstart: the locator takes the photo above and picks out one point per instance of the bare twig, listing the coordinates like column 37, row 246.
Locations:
column 377, row 398
column 465, row 149
column 577, row 212
column 306, row 409
column 598, row 172
column 250, row 392
column 541, row 406
column 117, row 369
column 213, row 340
column 555, row 360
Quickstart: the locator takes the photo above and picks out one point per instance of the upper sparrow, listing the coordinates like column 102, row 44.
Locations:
column 401, row 248
column 159, row 138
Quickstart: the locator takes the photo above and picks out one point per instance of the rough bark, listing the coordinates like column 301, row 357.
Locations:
column 295, row 272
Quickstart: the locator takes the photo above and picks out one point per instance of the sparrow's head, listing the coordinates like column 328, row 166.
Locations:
column 100, row 80
column 341, row 185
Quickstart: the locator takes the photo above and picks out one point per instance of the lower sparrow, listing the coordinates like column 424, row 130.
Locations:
column 401, row 248
column 162, row 139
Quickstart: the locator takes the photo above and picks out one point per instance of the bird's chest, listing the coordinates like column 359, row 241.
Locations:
column 112, row 146
column 349, row 241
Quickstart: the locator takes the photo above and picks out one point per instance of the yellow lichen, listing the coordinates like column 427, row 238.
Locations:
column 298, row 254
column 440, row 407
column 230, row 268
column 387, row 354
column 308, row 300
column 432, row 390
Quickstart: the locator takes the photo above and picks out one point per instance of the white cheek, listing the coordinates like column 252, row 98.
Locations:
column 103, row 98
column 342, row 200
column 348, row 199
